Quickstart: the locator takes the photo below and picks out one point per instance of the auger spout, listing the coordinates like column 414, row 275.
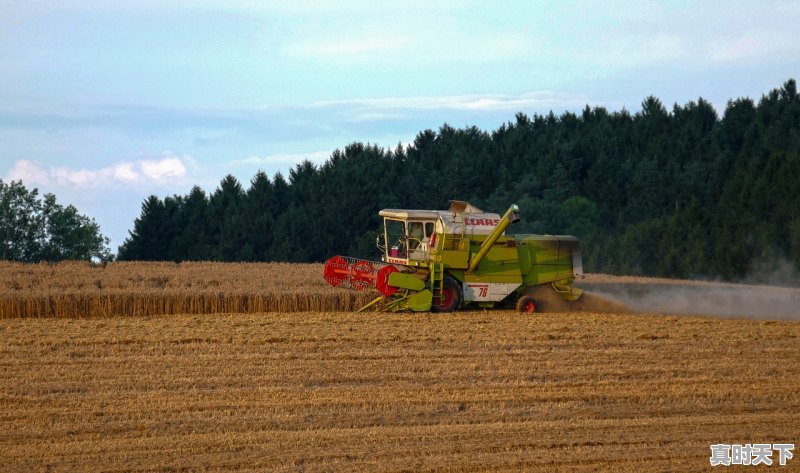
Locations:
column 509, row 217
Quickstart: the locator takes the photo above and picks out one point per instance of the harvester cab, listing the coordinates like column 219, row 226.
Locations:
column 406, row 239
column 447, row 259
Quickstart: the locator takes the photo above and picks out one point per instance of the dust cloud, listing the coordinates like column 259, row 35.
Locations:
column 699, row 298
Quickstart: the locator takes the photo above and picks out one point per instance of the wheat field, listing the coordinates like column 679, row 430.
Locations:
column 83, row 289
column 338, row 391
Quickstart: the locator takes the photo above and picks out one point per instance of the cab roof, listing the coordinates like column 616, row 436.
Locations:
column 456, row 207
column 462, row 218
column 404, row 214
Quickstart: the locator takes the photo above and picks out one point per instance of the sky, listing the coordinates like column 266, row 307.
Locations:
column 106, row 102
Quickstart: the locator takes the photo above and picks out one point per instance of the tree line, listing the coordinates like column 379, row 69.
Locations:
column 34, row 229
column 679, row 193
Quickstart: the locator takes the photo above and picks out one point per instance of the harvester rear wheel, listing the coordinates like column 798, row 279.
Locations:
column 526, row 304
column 448, row 298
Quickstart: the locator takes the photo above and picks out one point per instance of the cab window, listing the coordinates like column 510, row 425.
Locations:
column 395, row 232
column 429, row 229
column 416, row 232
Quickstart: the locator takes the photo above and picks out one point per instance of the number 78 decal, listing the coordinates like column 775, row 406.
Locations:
column 494, row 291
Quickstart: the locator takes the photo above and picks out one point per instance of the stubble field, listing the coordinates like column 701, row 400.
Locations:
column 329, row 391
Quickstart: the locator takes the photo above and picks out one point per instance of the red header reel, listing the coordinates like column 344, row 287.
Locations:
column 358, row 274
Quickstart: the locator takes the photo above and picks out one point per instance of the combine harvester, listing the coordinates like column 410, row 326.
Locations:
column 443, row 260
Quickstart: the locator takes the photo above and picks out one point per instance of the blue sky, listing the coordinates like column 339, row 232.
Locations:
column 105, row 102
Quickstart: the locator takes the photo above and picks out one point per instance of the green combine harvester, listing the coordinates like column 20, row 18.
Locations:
column 443, row 260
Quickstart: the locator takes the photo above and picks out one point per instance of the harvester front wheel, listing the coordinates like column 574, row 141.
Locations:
column 448, row 298
column 526, row 305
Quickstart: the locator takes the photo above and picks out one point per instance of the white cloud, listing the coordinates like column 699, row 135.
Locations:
column 317, row 157
column 165, row 169
column 170, row 169
column 28, row 172
column 125, row 172
column 377, row 116
column 378, row 108
column 65, row 176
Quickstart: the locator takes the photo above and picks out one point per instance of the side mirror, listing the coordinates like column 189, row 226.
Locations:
column 380, row 243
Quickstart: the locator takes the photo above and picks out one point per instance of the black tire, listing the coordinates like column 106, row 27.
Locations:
column 546, row 299
column 526, row 305
column 449, row 298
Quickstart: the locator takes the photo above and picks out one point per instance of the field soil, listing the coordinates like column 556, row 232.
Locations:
column 329, row 391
